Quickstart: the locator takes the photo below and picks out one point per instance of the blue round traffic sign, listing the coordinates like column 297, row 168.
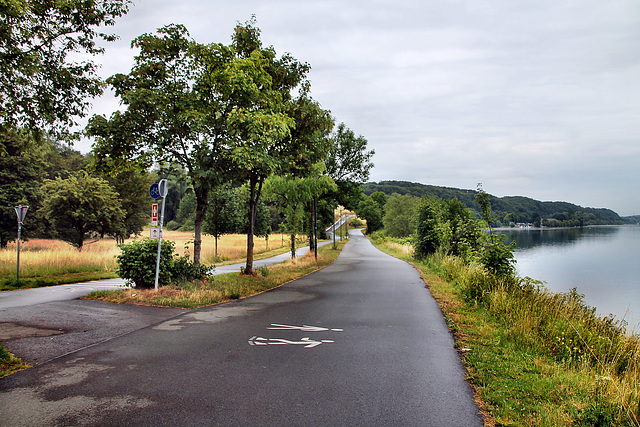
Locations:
column 154, row 191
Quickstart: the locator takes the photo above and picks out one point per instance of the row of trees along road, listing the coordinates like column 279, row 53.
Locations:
column 219, row 113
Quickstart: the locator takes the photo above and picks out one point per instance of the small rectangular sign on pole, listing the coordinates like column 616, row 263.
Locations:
column 155, row 233
column 154, row 215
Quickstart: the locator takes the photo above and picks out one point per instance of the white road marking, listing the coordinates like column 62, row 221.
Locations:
column 305, row 328
column 306, row 342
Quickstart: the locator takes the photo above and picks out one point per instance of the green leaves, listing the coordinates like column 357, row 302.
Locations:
column 82, row 206
column 40, row 88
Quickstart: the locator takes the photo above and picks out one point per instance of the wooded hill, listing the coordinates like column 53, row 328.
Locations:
column 509, row 210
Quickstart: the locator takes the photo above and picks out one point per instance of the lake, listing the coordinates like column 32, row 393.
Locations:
column 603, row 263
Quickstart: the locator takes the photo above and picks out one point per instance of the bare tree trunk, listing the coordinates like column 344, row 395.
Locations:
column 201, row 209
column 254, row 195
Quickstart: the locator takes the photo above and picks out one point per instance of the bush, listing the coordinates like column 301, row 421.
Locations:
column 186, row 270
column 173, row 225
column 137, row 262
column 356, row 223
column 497, row 257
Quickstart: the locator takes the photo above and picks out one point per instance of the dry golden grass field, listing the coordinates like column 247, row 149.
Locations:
column 55, row 261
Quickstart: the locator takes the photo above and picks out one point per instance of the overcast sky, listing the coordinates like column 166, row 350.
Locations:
column 536, row 98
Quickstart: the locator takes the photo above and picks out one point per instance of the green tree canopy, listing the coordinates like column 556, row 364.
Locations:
column 291, row 193
column 173, row 116
column 220, row 112
column 22, row 169
column 80, row 207
column 39, row 87
column 399, row 214
column 371, row 211
column 446, row 226
column 132, row 188
column 222, row 216
column 349, row 164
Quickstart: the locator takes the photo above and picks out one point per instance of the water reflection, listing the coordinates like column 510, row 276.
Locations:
column 530, row 238
column 601, row 262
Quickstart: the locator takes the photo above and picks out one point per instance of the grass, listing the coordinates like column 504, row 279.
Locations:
column 223, row 287
column 54, row 262
column 51, row 262
column 534, row 358
column 9, row 363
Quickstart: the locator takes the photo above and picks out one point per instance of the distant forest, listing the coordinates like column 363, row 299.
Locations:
column 508, row 211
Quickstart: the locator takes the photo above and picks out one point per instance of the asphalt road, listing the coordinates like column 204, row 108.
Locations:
column 360, row 342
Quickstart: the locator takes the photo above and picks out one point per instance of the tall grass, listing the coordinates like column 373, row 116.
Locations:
column 46, row 262
column 46, row 259
column 523, row 339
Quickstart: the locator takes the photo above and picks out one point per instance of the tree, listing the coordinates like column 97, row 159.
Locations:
column 63, row 160
column 497, row 257
column 371, row 211
column 291, row 193
column 82, row 206
column 446, row 226
column 262, row 220
column 21, row 172
column 429, row 236
column 219, row 112
column 398, row 215
column 185, row 217
column 222, row 216
column 39, row 87
column 175, row 115
column 263, row 122
column 132, row 187
column 349, row 164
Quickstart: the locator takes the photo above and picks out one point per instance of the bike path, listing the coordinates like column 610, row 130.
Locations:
column 360, row 342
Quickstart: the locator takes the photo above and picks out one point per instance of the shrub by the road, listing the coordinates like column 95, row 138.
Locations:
column 137, row 264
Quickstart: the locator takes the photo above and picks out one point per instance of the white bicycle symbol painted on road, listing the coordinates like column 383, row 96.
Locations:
column 306, row 342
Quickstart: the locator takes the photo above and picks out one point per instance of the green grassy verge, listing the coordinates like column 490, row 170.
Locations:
column 10, row 284
column 534, row 358
column 223, row 287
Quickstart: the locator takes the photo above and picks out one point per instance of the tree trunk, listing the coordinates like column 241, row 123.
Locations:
column 216, row 254
column 201, row 209
column 293, row 245
column 254, row 195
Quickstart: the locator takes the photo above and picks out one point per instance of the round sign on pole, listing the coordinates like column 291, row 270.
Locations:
column 154, row 191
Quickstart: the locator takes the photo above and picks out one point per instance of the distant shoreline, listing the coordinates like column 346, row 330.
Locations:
column 560, row 228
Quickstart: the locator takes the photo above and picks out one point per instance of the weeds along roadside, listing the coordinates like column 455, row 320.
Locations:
column 223, row 287
column 533, row 357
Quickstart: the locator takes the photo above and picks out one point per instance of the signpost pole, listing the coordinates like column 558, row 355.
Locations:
column 162, row 189
column 315, row 226
column 21, row 212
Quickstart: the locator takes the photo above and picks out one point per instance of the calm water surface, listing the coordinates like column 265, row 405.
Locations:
column 603, row 263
